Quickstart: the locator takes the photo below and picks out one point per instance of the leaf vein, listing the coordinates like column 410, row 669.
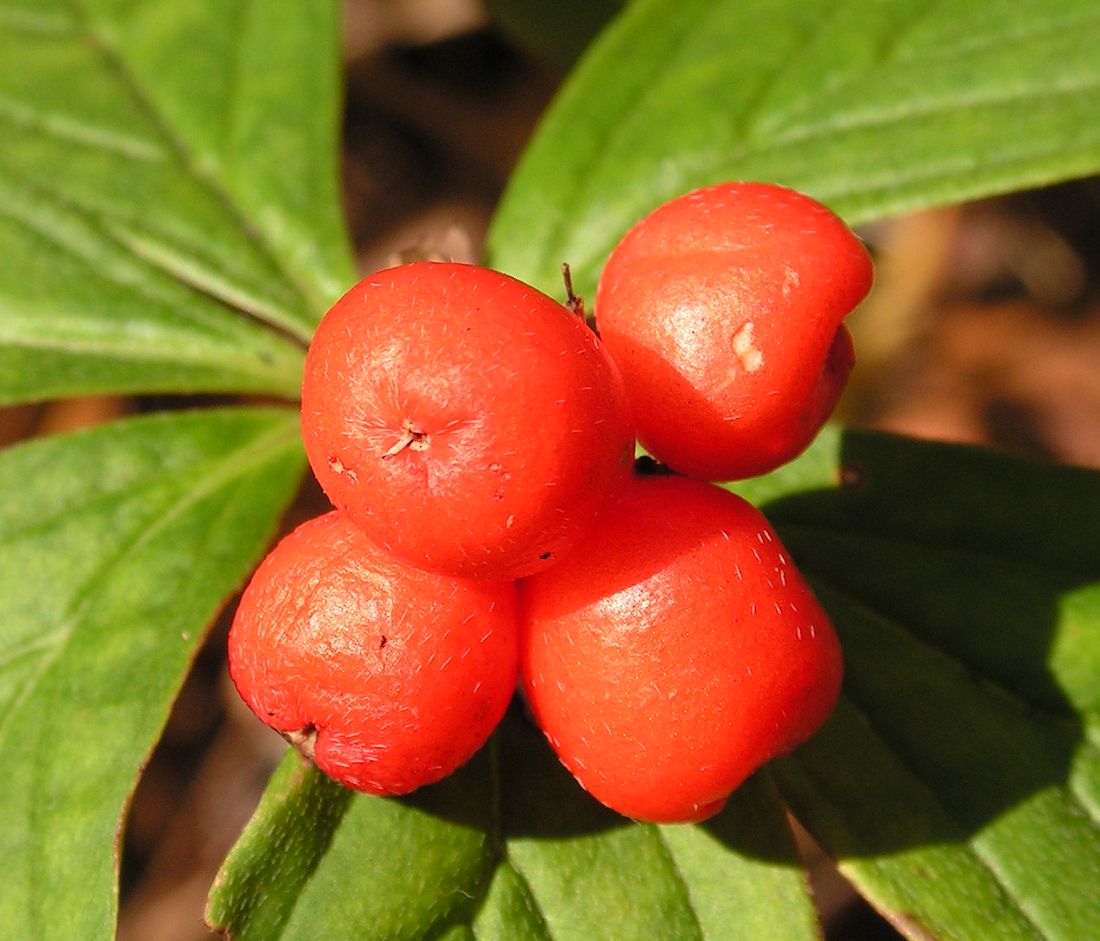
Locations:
column 210, row 179
column 151, row 480
column 970, row 42
column 67, row 130
column 81, row 246
column 917, row 110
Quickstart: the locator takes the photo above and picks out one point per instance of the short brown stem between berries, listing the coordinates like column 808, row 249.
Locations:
column 574, row 302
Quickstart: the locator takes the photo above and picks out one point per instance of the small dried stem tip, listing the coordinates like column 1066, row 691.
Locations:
column 304, row 739
column 573, row 301
column 411, row 438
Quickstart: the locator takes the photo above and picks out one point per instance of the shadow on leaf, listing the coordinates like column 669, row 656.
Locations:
column 537, row 798
column 955, row 577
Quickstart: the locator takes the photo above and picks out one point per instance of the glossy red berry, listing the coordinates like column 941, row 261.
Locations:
column 386, row 676
column 723, row 309
column 675, row 651
column 469, row 423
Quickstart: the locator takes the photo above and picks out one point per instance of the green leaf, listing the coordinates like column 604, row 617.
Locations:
column 874, row 108
column 959, row 781
column 167, row 193
column 510, row 849
column 117, row 548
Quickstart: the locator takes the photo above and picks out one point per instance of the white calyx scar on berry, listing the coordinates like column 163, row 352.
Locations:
column 337, row 467
column 744, row 346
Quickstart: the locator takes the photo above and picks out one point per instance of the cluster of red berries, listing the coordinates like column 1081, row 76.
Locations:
column 477, row 439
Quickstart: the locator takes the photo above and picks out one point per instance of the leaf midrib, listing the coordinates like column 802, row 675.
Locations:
column 182, row 354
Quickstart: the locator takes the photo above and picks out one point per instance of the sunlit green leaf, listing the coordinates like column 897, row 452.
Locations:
column 117, row 547
column 167, row 189
column 874, row 108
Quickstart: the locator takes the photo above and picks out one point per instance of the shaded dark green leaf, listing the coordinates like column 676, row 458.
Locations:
column 556, row 32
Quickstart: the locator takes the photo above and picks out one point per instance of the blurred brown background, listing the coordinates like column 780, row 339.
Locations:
column 984, row 326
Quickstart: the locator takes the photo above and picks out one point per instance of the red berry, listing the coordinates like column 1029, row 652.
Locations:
column 387, row 676
column 723, row 309
column 470, row 424
column 675, row 651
